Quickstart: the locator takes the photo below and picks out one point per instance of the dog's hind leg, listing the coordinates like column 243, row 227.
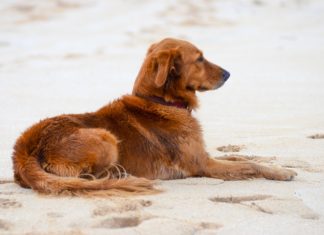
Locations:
column 66, row 155
column 84, row 153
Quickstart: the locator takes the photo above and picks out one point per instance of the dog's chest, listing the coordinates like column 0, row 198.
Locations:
column 180, row 149
column 163, row 147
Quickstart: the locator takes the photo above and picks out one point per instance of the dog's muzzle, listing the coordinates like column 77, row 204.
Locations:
column 225, row 76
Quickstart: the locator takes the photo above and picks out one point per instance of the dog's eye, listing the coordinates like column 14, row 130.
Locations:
column 200, row 59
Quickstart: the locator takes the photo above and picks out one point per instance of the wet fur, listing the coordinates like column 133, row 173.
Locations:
column 147, row 139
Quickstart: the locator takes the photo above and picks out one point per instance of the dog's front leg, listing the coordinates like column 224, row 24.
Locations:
column 238, row 170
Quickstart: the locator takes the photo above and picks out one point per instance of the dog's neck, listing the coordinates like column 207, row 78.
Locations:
column 160, row 100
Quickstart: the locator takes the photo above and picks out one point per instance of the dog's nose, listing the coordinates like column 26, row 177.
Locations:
column 226, row 75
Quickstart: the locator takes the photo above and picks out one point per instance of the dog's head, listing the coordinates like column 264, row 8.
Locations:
column 174, row 70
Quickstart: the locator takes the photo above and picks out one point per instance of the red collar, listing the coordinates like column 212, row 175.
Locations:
column 160, row 100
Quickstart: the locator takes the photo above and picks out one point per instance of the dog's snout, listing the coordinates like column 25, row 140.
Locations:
column 226, row 75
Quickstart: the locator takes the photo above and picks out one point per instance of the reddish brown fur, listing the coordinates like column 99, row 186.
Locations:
column 144, row 132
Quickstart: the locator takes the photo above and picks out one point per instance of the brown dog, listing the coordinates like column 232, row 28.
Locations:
column 149, row 134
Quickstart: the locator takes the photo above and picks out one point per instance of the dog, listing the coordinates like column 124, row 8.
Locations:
column 124, row 146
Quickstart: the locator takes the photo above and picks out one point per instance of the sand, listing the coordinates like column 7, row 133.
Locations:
column 75, row 56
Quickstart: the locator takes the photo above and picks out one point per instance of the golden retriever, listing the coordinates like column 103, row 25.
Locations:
column 149, row 134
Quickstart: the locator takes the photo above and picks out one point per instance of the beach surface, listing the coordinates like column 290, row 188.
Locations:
column 75, row 56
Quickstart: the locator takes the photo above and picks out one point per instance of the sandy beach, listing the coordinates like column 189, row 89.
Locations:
column 69, row 57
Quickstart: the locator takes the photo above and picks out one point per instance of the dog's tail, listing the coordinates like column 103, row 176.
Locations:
column 29, row 174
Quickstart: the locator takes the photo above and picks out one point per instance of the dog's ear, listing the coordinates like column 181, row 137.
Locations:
column 167, row 62
column 152, row 47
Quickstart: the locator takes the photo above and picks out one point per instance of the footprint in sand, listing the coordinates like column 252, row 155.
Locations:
column 121, row 207
column 303, row 165
column 54, row 215
column 5, row 181
column 231, row 148
column 6, row 203
column 240, row 198
column 122, row 222
column 271, row 205
column 4, row 225
column 316, row 136
column 127, row 207
column 172, row 225
column 208, row 225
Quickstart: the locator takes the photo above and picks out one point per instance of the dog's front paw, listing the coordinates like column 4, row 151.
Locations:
column 287, row 174
column 279, row 173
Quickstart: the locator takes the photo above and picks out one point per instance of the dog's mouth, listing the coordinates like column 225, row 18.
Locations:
column 203, row 88
column 190, row 88
column 219, row 85
column 200, row 88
